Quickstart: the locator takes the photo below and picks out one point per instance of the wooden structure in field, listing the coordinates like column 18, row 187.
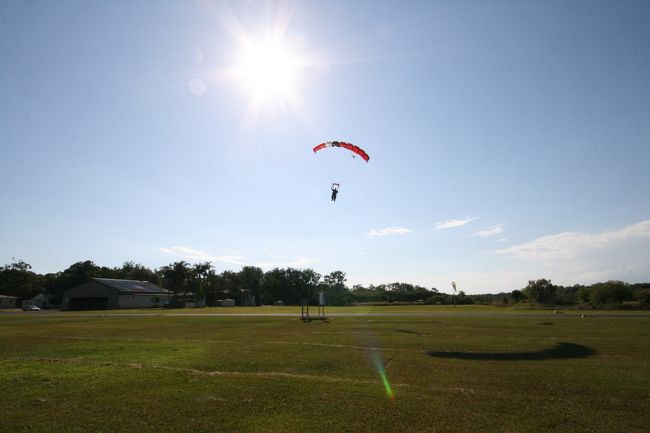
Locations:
column 304, row 309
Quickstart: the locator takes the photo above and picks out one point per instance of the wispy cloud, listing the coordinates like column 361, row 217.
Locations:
column 569, row 245
column 489, row 232
column 389, row 231
column 192, row 254
column 565, row 258
column 441, row 225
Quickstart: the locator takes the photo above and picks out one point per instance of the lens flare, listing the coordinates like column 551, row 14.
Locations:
column 379, row 366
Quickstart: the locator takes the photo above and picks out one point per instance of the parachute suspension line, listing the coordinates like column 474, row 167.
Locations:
column 356, row 151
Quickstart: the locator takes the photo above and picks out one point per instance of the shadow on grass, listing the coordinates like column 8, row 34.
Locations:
column 406, row 331
column 560, row 351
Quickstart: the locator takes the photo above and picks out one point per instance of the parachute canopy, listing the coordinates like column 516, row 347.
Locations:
column 351, row 147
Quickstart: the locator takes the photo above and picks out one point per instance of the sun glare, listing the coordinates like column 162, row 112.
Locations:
column 268, row 70
column 271, row 68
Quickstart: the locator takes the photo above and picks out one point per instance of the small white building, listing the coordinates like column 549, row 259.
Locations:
column 40, row 300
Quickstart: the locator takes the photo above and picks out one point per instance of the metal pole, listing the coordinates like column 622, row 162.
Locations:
column 453, row 284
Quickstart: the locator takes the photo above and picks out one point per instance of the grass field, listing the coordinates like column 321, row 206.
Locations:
column 446, row 373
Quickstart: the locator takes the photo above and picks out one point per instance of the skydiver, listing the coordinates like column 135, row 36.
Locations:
column 335, row 191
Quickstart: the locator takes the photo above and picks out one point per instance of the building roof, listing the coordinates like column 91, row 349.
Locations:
column 46, row 296
column 132, row 286
column 8, row 297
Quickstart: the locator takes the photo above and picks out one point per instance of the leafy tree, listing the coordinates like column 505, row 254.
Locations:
column 293, row 290
column 250, row 280
column 610, row 292
column 584, row 294
column 197, row 279
column 135, row 271
column 272, row 286
column 643, row 296
column 79, row 273
column 463, row 299
column 404, row 292
column 17, row 279
column 541, row 291
column 334, row 287
column 174, row 277
column 214, row 288
column 566, row 295
column 381, row 291
column 231, row 286
column 310, row 280
column 363, row 294
column 51, row 283
column 517, row 296
column 335, row 279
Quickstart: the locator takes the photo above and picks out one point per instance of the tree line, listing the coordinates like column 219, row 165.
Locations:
column 252, row 286
column 607, row 294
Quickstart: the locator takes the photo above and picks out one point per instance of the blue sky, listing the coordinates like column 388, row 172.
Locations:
column 508, row 140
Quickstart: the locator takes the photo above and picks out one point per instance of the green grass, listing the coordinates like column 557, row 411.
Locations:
column 492, row 373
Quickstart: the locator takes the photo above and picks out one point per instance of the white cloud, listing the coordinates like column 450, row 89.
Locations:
column 389, row 231
column 192, row 254
column 569, row 245
column 565, row 258
column 441, row 225
column 235, row 259
column 490, row 231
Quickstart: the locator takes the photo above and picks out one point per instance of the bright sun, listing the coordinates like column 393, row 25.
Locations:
column 268, row 70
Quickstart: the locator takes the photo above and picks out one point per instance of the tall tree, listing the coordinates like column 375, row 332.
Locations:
column 405, row 292
column 135, row 271
column 309, row 283
column 272, row 285
column 17, row 279
column 79, row 273
column 250, row 281
column 174, row 277
column 214, row 288
column 517, row 295
column 198, row 276
column 292, row 290
column 541, row 291
column 611, row 293
column 334, row 287
column 231, row 286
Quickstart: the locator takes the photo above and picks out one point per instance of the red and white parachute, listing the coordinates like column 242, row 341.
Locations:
column 349, row 146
